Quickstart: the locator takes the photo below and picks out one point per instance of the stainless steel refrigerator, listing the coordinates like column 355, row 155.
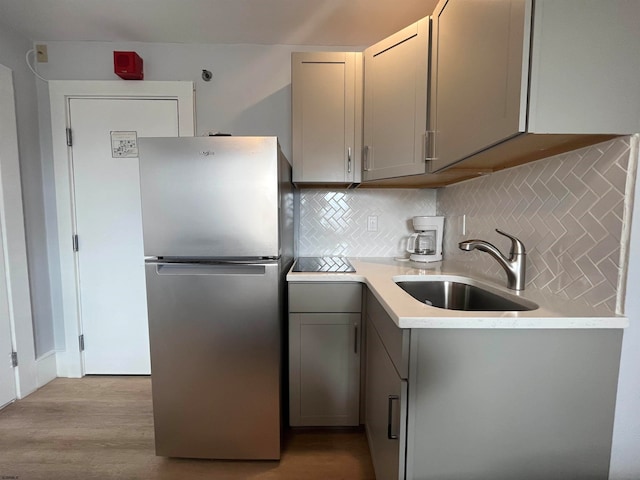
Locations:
column 217, row 215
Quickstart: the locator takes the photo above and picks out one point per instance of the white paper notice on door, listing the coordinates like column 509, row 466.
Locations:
column 124, row 144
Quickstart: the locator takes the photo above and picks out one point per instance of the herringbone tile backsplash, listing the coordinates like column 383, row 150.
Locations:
column 335, row 222
column 568, row 210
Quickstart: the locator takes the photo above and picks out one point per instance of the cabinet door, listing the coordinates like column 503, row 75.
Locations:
column 325, row 87
column 386, row 411
column 479, row 75
column 324, row 369
column 395, row 104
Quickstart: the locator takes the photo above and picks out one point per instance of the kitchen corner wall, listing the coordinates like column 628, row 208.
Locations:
column 335, row 222
column 13, row 47
column 572, row 212
column 250, row 94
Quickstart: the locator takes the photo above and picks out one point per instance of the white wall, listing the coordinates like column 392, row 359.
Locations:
column 625, row 455
column 250, row 94
column 13, row 48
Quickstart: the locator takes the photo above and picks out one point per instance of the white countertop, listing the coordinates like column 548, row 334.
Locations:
column 380, row 274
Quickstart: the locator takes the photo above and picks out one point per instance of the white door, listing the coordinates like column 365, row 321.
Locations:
column 7, row 377
column 113, row 307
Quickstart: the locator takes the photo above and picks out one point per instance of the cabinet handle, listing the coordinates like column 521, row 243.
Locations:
column 366, row 158
column 355, row 339
column 390, row 434
column 429, row 145
column 349, row 160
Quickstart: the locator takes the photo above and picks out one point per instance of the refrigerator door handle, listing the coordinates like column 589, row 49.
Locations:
column 210, row 269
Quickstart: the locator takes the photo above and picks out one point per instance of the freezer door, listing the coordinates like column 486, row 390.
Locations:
column 215, row 359
column 210, row 196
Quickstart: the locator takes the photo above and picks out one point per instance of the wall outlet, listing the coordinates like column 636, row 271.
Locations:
column 41, row 53
column 372, row 223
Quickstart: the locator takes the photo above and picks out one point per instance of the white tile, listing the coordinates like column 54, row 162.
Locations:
column 566, row 209
column 335, row 222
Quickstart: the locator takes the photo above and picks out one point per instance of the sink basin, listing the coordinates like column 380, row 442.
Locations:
column 456, row 295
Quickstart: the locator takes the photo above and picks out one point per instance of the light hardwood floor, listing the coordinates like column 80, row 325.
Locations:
column 102, row 428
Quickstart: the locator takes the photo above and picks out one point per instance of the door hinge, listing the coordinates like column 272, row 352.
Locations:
column 76, row 245
column 81, row 342
column 69, row 138
column 14, row 359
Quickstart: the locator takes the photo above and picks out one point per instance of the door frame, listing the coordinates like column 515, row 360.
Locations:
column 14, row 243
column 5, row 307
column 69, row 361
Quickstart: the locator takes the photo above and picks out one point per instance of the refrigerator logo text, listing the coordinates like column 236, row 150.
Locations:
column 207, row 153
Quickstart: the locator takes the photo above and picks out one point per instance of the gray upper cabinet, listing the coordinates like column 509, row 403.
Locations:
column 564, row 71
column 585, row 67
column 395, row 103
column 478, row 85
column 326, row 89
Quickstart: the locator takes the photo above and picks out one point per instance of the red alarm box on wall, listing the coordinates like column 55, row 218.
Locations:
column 128, row 65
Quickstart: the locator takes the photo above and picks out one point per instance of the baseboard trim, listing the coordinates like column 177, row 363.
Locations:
column 46, row 368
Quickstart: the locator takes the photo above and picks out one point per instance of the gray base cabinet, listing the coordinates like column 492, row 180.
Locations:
column 386, row 410
column 492, row 404
column 324, row 354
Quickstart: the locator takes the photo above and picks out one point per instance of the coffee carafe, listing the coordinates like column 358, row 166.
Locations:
column 426, row 244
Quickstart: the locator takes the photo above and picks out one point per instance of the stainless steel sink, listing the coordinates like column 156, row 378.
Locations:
column 456, row 295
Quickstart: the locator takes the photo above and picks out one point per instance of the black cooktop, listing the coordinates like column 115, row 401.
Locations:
column 323, row 264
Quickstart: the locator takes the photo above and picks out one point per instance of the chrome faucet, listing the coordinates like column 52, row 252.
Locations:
column 515, row 265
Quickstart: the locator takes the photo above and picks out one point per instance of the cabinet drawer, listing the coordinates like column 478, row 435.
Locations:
column 325, row 297
column 395, row 340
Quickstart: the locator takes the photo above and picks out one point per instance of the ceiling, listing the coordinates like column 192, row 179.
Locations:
column 268, row 22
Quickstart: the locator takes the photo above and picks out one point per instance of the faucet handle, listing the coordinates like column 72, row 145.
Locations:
column 517, row 247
